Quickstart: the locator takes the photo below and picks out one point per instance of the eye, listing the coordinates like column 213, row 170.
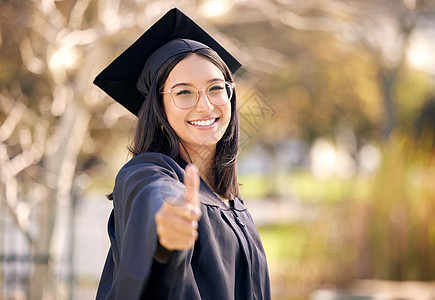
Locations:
column 183, row 92
column 216, row 88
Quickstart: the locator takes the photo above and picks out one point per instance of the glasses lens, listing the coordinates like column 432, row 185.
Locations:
column 219, row 93
column 184, row 96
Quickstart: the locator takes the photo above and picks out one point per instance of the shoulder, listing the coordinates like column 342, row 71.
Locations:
column 147, row 174
column 149, row 166
column 152, row 161
column 152, row 158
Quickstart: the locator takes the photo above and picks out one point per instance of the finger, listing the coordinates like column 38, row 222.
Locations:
column 174, row 239
column 168, row 231
column 191, row 182
column 168, row 235
column 187, row 211
column 176, row 243
column 178, row 225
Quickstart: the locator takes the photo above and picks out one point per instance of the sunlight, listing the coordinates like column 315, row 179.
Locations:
column 214, row 8
column 420, row 53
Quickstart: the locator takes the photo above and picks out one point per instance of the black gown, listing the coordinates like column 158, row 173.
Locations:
column 227, row 261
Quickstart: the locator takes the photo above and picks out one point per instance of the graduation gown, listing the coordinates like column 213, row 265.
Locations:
column 226, row 262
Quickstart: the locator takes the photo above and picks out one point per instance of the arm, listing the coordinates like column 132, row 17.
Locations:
column 140, row 190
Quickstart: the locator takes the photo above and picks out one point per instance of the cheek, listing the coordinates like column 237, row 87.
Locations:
column 226, row 112
column 169, row 111
column 174, row 115
column 226, row 117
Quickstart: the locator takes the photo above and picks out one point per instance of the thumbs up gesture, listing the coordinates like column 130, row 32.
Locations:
column 177, row 221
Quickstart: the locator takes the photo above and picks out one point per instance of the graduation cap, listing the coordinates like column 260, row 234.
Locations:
column 128, row 78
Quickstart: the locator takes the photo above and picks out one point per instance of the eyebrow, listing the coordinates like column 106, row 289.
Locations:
column 189, row 84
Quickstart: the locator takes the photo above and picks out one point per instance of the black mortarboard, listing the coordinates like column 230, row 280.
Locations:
column 120, row 78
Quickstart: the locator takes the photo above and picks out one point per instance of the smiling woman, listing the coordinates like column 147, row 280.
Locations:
column 204, row 123
column 216, row 160
column 179, row 229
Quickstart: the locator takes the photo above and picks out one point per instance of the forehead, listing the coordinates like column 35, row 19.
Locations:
column 194, row 69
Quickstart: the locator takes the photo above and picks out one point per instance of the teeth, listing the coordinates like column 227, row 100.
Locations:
column 203, row 123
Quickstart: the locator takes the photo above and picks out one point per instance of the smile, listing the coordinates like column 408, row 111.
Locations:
column 203, row 122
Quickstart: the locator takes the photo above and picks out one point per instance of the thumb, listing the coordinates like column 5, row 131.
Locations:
column 191, row 182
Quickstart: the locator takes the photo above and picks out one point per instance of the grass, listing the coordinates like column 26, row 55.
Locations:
column 303, row 186
column 283, row 243
column 295, row 257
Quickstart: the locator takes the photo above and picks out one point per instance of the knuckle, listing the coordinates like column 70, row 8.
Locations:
column 187, row 243
column 164, row 242
column 193, row 231
column 167, row 244
column 195, row 224
column 158, row 217
column 160, row 230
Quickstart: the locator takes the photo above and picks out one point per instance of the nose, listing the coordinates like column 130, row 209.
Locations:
column 203, row 103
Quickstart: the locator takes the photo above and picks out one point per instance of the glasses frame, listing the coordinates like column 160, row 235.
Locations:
column 231, row 84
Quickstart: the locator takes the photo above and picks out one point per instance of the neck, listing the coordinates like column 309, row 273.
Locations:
column 203, row 157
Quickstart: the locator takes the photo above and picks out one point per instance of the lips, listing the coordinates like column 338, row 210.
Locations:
column 203, row 123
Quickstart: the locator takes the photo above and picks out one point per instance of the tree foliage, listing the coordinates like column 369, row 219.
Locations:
column 318, row 64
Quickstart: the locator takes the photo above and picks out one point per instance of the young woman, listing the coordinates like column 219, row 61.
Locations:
column 178, row 229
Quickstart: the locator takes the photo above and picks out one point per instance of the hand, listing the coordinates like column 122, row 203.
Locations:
column 177, row 220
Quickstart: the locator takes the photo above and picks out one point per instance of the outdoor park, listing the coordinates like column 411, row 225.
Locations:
column 336, row 103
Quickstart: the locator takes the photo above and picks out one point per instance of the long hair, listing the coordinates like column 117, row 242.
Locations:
column 154, row 134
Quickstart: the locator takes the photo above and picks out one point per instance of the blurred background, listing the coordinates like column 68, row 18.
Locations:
column 337, row 160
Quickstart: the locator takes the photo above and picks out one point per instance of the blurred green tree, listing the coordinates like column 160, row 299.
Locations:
column 356, row 54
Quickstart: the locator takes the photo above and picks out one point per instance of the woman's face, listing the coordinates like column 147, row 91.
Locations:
column 205, row 123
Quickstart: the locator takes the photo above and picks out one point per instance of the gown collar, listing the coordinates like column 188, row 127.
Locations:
column 210, row 198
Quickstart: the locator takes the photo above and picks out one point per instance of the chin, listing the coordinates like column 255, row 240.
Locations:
column 210, row 142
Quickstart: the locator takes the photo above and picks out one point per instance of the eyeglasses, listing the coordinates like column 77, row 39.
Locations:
column 185, row 96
